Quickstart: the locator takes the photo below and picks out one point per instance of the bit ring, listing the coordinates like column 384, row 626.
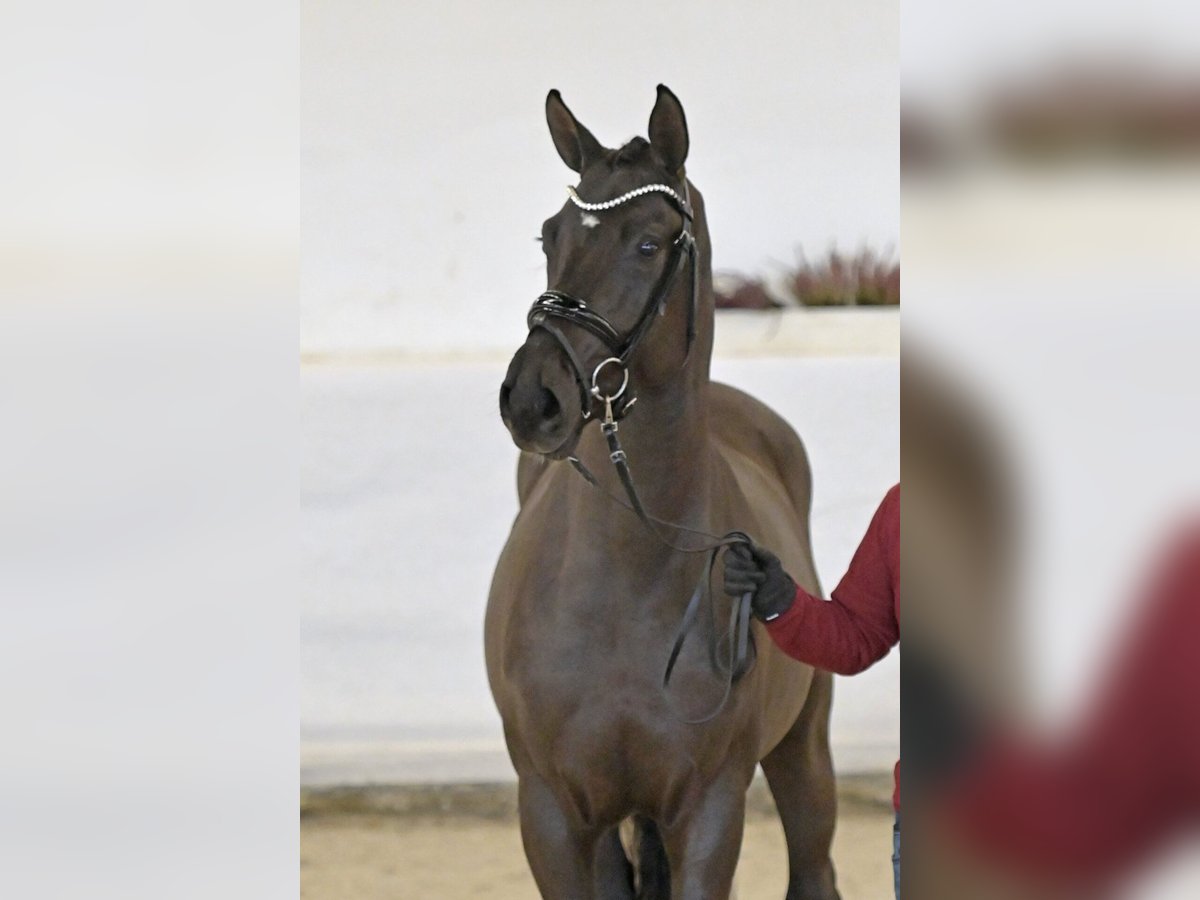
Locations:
column 596, row 379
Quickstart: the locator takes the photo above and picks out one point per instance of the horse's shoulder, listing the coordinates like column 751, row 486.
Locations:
column 749, row 427
column 739, row 418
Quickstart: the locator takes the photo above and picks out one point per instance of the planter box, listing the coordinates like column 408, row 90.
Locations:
column 844, row 331
column 852, row 331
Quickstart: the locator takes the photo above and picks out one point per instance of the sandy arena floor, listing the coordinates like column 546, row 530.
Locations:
column 359, row 856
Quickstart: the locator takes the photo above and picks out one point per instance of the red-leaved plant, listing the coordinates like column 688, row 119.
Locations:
column 867, row 278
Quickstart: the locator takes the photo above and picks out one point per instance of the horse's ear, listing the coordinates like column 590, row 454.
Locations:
column 574, row 143
column 668, row 129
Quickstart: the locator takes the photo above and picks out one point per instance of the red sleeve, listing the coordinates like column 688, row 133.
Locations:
column 1129, row 776
column 860, row 623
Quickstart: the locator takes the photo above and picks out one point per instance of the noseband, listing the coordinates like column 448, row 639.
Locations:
column 562, row 306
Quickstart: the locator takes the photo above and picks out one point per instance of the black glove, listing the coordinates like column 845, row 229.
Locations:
column 749, row 567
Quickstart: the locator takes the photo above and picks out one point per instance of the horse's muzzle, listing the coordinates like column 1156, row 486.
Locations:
column 533, row 403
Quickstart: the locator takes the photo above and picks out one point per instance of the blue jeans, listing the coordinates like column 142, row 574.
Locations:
column 896, row 853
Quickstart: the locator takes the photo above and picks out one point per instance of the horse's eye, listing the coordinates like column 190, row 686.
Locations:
column 647, row 248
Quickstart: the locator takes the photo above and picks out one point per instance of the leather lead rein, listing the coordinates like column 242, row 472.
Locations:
column 739, row 617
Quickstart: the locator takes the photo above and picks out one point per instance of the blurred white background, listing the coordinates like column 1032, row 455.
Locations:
column 1059, row 291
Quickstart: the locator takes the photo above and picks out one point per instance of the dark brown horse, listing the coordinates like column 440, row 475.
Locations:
column 585, row 601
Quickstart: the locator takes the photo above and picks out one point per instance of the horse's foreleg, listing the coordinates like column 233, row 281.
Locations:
column 559, row 850
column 704, row 841
column 800, row 774
column 613, row 871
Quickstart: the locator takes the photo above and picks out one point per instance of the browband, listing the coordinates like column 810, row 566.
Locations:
column 684, row 206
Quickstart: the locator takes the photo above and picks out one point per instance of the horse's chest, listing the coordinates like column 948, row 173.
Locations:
column 615, row 746
column 603, row 714
column 578, row 660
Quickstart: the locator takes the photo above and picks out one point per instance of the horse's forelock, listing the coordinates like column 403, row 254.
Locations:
column 635, row 152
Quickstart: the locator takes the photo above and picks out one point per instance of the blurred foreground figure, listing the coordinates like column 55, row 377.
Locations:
column 959, row 669
column 1047, row 186
column 1075, row 819
column 992, row 814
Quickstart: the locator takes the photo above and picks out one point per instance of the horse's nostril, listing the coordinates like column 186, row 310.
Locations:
column 505, row 394
column 549, row 408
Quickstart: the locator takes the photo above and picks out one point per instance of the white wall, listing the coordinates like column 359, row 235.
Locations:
column 428, row 167
column 409, row 491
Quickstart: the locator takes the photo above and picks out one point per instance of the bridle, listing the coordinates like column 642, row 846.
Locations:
column 562, row 306
column 558, row 305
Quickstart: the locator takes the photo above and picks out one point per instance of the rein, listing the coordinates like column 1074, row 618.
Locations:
column 736, row 662
column 559, row 305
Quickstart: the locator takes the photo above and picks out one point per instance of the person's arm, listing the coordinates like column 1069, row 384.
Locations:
column 857, row 626
column 1127, row 778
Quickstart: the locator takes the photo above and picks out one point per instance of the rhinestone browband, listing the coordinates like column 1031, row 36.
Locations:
column 636, row 192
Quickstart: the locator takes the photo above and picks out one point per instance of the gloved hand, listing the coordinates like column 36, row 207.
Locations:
column 749, row 567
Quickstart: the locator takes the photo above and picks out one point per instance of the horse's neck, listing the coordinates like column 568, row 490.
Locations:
column 666, row 443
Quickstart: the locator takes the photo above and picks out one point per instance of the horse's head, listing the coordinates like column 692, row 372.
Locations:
column 630, row 263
